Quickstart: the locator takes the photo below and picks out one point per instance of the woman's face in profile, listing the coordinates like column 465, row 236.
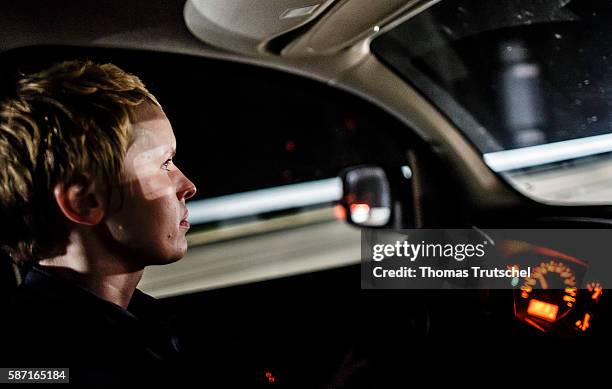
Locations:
column 151, row 225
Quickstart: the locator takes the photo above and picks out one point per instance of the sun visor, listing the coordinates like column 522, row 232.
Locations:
column 349, row 22
column 245, row 25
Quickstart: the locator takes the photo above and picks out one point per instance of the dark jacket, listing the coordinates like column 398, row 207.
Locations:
column 53, row 323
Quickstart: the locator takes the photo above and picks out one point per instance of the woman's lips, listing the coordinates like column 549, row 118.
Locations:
column 184, row 223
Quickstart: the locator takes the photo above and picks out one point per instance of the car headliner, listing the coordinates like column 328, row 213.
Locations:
column 314, row 50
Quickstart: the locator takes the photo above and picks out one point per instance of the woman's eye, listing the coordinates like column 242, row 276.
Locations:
column 166, row 165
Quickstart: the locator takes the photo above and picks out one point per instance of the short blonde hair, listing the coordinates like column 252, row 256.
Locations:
column 65, row 125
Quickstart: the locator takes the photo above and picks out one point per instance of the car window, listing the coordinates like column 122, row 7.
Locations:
column 265, row 149
column 529, row 83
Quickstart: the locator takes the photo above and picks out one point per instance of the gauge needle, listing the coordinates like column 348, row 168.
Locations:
column 543, row 281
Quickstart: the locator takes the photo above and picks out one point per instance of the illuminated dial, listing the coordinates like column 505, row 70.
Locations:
column 550, row 291
column 551, row 299
column 595, row 290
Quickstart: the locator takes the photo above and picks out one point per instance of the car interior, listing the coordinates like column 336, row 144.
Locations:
column 275, row 104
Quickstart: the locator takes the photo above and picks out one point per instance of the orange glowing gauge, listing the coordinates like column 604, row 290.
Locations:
column 584, row 324
column 542, row 310
column 595, row 289
column 550, row 290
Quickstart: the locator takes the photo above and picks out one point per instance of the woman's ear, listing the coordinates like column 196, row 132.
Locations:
column 80, row 202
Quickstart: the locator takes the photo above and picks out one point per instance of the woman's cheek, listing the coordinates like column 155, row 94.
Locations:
column 154, row 185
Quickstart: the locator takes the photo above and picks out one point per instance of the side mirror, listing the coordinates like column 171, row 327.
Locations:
column 366, row 196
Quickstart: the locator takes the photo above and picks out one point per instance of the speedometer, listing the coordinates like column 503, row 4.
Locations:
column 550, row 292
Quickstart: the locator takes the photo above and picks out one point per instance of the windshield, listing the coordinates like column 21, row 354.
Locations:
column 528, row 82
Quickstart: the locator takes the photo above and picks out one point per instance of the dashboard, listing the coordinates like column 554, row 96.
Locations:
column 557, row 297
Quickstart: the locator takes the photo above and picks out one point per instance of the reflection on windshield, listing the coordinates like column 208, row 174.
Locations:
column 529, row 83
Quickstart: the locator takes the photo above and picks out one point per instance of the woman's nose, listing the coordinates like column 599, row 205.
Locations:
column 187, row 189
column 189, row 193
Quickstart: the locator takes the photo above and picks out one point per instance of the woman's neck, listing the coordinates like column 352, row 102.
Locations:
column 93, row 268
